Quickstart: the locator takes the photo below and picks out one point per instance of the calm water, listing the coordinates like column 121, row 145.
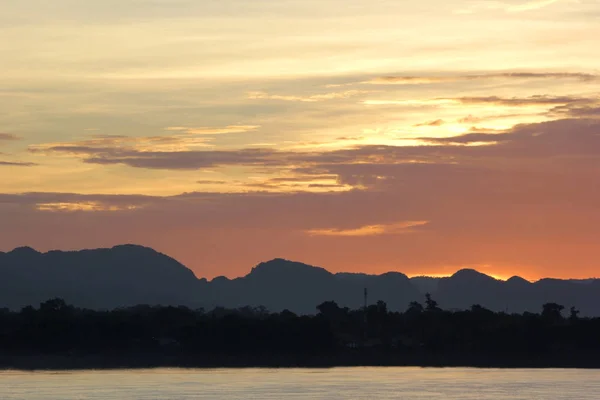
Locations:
column 338, row 383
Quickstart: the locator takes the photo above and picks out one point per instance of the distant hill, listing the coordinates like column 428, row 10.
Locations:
column 515, row 295
column 129, row 275
column 101, row 278
column 281, row 284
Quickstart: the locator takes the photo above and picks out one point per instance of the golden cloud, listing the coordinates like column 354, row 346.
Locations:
column 214, row 131
column 307, row 99
column 370, row 230
column 87, row 206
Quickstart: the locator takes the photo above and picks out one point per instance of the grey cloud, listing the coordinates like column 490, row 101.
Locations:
column 437, row 122
column 469, row 119
column 542, row 212
column 32, row 199
column 564, row 138
column 467, row 138
column 211, row 182
column 354, row 138
column 301, row 178
column 8, row 136
column 588, row 110
column 184, row 160
column 324, row 186
column 585, row 77
column 17, row 164
column 526, row 101
column 423, row 80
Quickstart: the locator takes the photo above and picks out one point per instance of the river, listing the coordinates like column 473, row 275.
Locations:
column 324, row 384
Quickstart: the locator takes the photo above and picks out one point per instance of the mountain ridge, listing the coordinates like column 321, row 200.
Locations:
column 129, row 274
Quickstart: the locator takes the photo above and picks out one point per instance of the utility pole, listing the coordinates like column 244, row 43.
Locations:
column 365, row 324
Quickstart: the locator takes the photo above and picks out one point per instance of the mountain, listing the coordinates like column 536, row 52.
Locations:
column 102, row 278
column 130, row 275
column 281, row 284
column 425, row 284
column 515, row 295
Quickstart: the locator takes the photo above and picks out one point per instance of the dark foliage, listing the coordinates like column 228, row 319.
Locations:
column 422, row 335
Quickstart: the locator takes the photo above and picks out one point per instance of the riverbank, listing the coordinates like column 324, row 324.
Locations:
column 70, row 362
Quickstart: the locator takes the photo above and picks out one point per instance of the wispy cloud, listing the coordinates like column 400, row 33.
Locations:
column 410, row 80
column 503, row 6
column 17, row 164
column 411, row 102
column 537, row 100
column 84, row 206
column 531, row 5
column 210, row 182
column 426, row 80
column 437, row 122
column 8, row 136
column 370, row 230
column 307, row 99
column 213, row 130
column 176, row 142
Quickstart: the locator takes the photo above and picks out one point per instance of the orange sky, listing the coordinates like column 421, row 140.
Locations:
column 358, row 136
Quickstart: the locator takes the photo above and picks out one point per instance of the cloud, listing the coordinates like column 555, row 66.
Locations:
column 296, row 183
column 325, row 186
column 307, row 99
column 303, row 178
column 412, row 102
column 409, row 80
column 538, row 100
column 437, row 122
column 370, row 230
column 528, row 198
column 350, row 138
column 531, row 5
column 506, row 7
column 180, row 160
column 118, row 144
column 8, row 137
column 469, row 119
column 577, row 110
column 214, row 131
column 85, row 206
column 73, row 202
column 211, row 182
column 575, row 138
column 468, row 138
column 426, row 80
column 102, row 146
column 531, row 101
column 17, row 164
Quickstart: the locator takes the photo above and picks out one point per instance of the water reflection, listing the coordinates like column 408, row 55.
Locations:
column 326, row 384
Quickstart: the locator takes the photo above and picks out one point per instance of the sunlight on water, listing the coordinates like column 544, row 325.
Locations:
column 337, row 383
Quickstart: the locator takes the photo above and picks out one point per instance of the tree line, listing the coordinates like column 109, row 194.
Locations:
column 424, row 334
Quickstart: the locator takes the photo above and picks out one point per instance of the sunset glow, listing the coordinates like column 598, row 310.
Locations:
column 371, row 136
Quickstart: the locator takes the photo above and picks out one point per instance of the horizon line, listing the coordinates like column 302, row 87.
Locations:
column 497, row 277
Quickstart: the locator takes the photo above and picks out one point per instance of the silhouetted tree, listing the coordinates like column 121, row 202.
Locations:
column 254, row 336
column 415, row 308
column 573, row 314
column 430, row 304
column 476, row 308
column 381, row 307
column 552, row 312
column 328, row 309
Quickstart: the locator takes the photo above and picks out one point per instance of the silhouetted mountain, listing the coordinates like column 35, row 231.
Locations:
column 281, row 284
column 130, row 275
column 425, row 284
column 516, row 295
column 102, row 278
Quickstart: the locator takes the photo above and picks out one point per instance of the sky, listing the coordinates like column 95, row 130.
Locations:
column 362, row 136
